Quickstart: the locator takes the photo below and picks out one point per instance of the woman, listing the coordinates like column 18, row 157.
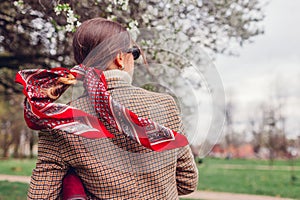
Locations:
column 136, row 151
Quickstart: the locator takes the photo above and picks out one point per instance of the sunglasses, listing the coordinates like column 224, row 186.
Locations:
column 135, row 51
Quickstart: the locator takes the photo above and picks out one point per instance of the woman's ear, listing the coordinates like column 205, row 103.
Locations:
column 119, row 60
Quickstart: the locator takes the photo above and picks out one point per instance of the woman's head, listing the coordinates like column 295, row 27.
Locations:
column 106, row 38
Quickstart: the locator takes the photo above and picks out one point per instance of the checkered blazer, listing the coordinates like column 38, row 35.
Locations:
column 117, row 168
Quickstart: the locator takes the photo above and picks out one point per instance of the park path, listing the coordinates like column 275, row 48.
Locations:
column 209, row 195
column 257, row 167
column 13, row 178
column 203, row 195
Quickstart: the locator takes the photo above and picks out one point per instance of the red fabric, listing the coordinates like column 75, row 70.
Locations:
column 40, row 111
column 72, row 187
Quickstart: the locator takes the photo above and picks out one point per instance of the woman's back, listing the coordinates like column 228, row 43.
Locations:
column 120, row 168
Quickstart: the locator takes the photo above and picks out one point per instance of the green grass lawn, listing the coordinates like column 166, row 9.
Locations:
column 13, row 191
column 20, row 191
column 252, row 181
column 212, row 177
column 250, row 162
column 22, row 167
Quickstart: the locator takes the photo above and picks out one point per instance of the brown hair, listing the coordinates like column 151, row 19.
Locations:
column 91, row 33
column 95, row 43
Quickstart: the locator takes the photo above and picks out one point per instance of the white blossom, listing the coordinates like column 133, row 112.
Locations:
column 57, row 10
column 133, row 24
column 19, row 4
column 112, row 17
column 78, row 23
column 69, row 27
column 122, row 3
column 133, row 28
column 109, row 8
column 71, row 17
column 125, row 7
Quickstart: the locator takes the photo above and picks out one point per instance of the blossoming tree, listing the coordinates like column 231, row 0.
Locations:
column 39, row 31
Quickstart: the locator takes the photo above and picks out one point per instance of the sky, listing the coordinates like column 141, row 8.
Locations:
column 270, row 64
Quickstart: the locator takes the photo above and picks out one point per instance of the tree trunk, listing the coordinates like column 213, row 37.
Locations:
column 31, row 144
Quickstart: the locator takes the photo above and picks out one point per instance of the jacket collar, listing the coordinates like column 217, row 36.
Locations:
column 117, row 79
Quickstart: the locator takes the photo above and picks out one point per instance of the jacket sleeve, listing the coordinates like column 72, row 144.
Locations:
column 186, row 172
column 186, row 169
column 46, row 179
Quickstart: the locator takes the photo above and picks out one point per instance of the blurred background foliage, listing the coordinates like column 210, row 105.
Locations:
column 38, row 33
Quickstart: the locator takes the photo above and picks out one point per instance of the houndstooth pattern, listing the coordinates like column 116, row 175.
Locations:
column 117, row 168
